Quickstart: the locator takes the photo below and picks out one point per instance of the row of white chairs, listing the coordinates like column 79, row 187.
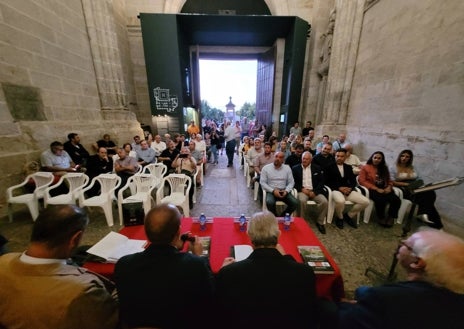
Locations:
column 140, row 188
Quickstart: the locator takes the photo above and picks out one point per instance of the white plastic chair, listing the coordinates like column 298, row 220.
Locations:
column 331, row 205
column 405, row 204
column 180, row 185
column 41, row 180
column 108, row 183
column 278, row 203
column 143, row 186
column 74, row 181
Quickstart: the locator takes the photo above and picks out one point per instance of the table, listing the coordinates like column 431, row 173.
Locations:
column 225, row 233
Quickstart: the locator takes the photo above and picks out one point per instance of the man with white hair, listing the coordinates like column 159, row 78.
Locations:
column 269, row 289
column 431, row 297
column 158, row 145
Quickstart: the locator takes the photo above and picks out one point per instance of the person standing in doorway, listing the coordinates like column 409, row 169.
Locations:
column 229, row 136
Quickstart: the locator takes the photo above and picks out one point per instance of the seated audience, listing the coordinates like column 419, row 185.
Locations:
column 39, row 290
column 252, row 154
column 342, row 181
column 145, row 155
column 263, row 159
column 97, row 164
column 320, row 145
column 431, row 297
column 76, row 151
column 163, row 287
column 168, row 155
column 158, row 145
column 306, row 129
column 340, row 142
column 125, row 166
column 352, row 159
column 107, row 143
column 325, row 158
column 185, row 164
column 129, row 151
column 284, row 148
column 199, row 159
column 57, row 160
column 295, row 158
column 309, row 183
column 375, row 177
column 406, row 177
column 269, row 289
column 277, row 180
column 136, row 144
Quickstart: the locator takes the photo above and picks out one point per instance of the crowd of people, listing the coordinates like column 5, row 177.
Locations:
column 166, row 287
column 332, row 164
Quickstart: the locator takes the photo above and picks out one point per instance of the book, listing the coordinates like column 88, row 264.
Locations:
column 241, row 251
column 438, row 185
column 115, row 245
column 314, row 257
column 206, row 243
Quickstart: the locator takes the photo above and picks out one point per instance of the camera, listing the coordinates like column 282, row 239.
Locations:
column 187, row 237
column 183, row 155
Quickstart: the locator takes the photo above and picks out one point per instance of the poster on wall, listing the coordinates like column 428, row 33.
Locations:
column 164, row 101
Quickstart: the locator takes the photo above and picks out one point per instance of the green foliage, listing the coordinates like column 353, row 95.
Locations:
column 248, row 110
column 211, row 113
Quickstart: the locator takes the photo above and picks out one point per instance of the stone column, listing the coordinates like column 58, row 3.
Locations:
column 106, row 57
column 344, row 47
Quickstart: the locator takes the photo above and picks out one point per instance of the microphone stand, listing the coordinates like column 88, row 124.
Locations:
column 391, row 276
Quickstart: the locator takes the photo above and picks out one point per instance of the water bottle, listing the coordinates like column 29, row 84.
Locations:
column 242, row 222
column 287, row 221
column 202, row 221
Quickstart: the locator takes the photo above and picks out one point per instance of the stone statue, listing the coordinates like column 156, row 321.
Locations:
column 327, row 46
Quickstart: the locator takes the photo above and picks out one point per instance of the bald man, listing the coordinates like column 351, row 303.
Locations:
column 431, row 297
column 163, row 287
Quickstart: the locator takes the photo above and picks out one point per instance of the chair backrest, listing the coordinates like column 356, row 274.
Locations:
column 42, row 179
column 108, row 182
column 156, row 169
column 141, row 182
column 179, row 183
column 76, row 181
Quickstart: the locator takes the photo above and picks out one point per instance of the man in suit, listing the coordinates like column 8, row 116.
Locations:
column 39, row 290
column 163, row 287
column 268, row 289
column 309, row 182
column 340, row 178
column 431, row 297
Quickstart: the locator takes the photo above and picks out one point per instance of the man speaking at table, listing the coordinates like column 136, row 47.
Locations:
column 268, row 289
column 162, row 287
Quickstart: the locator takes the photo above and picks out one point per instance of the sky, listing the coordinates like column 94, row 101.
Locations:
column 221, row 79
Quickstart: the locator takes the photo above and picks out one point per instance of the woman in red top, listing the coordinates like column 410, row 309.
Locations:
column 376, row 178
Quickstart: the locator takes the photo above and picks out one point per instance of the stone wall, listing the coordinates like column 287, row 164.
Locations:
column 49, row 85
column 408, row 90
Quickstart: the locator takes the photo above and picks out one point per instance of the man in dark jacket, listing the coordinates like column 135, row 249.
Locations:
column 342, row 181
column 268, row 289
column 309, row 183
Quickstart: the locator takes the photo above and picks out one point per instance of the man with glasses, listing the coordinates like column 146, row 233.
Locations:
column 56, row 159
column 431, row 297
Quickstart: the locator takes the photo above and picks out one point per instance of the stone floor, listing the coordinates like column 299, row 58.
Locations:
column 225, row 194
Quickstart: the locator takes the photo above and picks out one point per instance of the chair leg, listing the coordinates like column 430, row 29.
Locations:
column 10, row 212
column 33, row 209
column 108, row 214
column 119, row 213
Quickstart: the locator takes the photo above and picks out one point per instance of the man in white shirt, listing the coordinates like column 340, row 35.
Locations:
column 229, row 136
column 277, row 181
column 252, row 155
column 158, row 145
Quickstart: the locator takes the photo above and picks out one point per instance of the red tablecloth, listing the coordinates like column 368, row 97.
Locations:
column 225, row 233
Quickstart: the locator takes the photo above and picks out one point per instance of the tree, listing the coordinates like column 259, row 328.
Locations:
column 211, row 113
column 248, row 110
